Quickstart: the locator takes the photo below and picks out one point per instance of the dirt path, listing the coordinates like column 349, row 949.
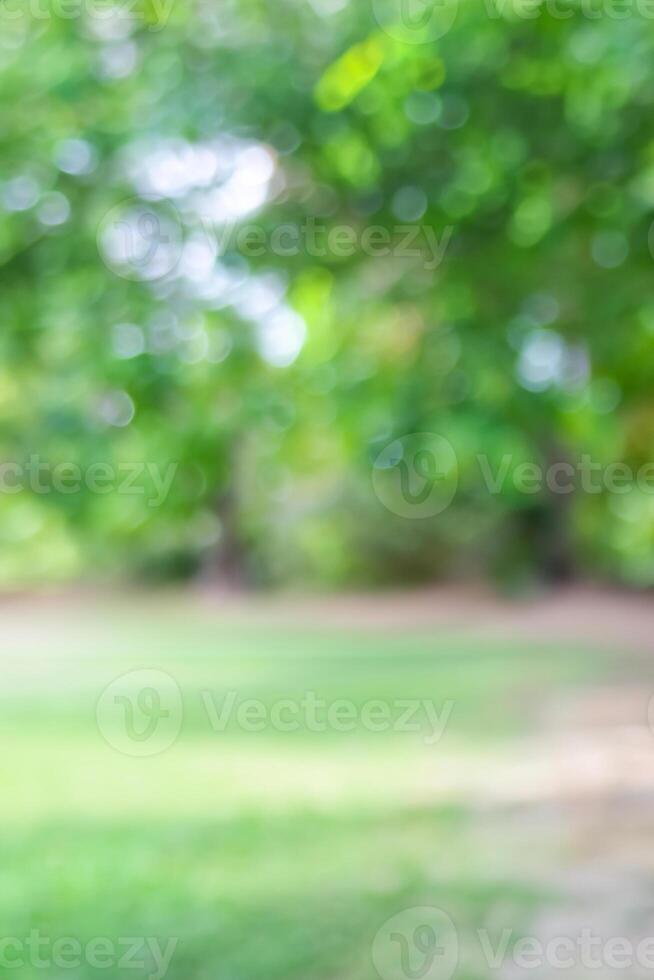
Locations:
column 583, row 613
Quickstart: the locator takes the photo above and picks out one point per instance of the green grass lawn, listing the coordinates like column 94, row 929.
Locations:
column 263, row 854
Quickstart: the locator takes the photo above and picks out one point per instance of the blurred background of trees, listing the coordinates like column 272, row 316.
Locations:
column 275, row 380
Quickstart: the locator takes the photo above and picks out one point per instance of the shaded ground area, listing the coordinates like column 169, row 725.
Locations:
column 273, row 852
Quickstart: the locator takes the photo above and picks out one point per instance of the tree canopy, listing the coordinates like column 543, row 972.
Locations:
column 260, row 243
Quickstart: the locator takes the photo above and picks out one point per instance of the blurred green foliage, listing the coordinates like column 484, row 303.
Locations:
column 274, row 380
